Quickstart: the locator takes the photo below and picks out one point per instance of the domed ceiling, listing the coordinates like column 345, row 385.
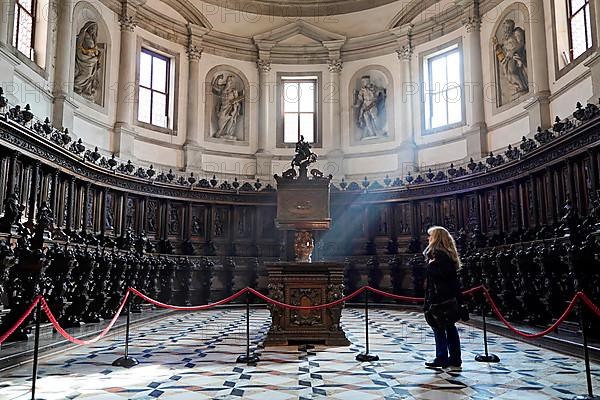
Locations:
column 299, row 8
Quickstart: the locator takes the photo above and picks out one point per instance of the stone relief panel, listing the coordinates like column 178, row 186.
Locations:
column 510, row 47
column 90, row 54
column 226, row 94
column 371, row 118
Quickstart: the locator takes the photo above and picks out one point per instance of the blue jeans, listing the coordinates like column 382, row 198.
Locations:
column 447, row 346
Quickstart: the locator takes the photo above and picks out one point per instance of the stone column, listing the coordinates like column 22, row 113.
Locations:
column 124, row 135
column 407, row 156
column 7, row 22
column 264, row 168
column 476, row 134
column 63, row 107
column 335, row 156
column 594, row 62
column 539, row 104
column 191, row 148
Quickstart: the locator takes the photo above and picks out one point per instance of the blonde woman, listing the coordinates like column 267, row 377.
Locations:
column 443, row 297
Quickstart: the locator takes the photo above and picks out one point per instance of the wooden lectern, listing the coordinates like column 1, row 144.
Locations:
column 302, row 208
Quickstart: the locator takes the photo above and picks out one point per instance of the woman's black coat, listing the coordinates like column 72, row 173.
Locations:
column 442, row 279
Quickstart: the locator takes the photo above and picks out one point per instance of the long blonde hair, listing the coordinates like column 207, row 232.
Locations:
column 442, row 240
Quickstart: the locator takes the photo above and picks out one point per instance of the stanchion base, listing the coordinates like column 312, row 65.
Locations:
column 125, row 362
column 251, row 359
column 586, row 397
column 490, row 358
column 362, row 357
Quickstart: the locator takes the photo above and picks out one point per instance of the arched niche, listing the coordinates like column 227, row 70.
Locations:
column 371, row 105
column 226, row 109
column 510, row 54
column 90, row 56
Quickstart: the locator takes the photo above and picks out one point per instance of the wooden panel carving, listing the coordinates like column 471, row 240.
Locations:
column 403, row 217
column 220, row 222
column 449, row 213
column 199, row 222
column 427, row 215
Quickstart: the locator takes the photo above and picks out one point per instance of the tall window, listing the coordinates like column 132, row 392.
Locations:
column 153, row 97
column 579, row 26
column 24, row 26
column 299, row 99
column 442, row 88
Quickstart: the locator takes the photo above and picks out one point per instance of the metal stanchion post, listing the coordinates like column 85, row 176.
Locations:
column 586, row 357
column 126, row 361
column 490, row 358
column 36, row 347
column 366, row 356
column 248, row 358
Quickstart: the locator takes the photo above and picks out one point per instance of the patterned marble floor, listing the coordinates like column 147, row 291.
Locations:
column 192, row 356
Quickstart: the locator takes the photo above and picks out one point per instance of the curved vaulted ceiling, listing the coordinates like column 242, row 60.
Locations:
column 298, row 8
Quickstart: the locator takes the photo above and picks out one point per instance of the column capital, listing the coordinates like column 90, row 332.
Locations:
column 405, row 53
column 472, row 24
column 263, row 65
column 335, row 65
column 194, row 52
column 128, row 23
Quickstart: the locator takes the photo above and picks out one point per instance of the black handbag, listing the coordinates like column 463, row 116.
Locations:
column 444, row 314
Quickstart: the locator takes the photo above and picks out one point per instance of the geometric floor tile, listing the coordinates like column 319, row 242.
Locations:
column 192, row 356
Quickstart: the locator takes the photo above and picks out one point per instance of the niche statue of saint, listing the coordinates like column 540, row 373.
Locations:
column 229, row 106
column 87, row 62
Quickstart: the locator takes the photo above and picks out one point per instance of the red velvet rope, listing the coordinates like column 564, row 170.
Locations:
column 580, row 295
column 594, row 308
column 317, row 307
column 564, row 315
column 21, row 319
column 189, row 308
column 395, row 296
column 72, row 339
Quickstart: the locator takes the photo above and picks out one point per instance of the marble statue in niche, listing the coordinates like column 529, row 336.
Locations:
column 511, row 62
column 369, row 106
column 87, row 80
column 228, row 106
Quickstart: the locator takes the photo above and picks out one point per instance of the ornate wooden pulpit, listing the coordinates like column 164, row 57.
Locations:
column 302, row 208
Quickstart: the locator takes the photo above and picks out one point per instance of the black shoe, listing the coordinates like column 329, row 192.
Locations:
column 436, row 364
column 455, row 367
